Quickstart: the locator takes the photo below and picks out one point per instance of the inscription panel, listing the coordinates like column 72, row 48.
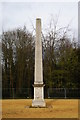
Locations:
column 38, row 93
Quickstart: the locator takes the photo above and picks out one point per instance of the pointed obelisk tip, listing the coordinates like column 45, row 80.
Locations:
column 38, row 19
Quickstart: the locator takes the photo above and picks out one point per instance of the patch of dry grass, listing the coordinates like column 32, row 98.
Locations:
column 56, row 108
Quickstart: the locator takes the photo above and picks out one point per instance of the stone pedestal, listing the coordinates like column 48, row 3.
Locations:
column 38, row 96
column 38, row 81
column 38, row 103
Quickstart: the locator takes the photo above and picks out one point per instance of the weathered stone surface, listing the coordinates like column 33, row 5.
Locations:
column 38, row 54
column 38, row 82
column 38, row 103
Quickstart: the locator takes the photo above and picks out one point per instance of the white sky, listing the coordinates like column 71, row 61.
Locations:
column 18, row 14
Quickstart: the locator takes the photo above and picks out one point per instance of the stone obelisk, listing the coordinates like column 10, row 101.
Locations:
column 38, row 100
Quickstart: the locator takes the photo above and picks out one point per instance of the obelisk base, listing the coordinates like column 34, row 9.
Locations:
column 38, row 103
column 38, row 96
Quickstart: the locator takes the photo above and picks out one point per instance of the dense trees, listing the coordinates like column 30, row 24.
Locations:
column 18, row 59
column 61, row 60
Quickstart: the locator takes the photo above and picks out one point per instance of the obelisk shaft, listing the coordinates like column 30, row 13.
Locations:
column 38, row 54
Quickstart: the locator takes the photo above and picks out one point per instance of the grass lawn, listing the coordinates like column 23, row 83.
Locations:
column 56, row 108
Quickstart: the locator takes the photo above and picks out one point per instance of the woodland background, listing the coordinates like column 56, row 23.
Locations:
column 61, row 60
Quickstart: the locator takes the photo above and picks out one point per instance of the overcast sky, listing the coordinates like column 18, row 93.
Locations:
column 18, row 14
